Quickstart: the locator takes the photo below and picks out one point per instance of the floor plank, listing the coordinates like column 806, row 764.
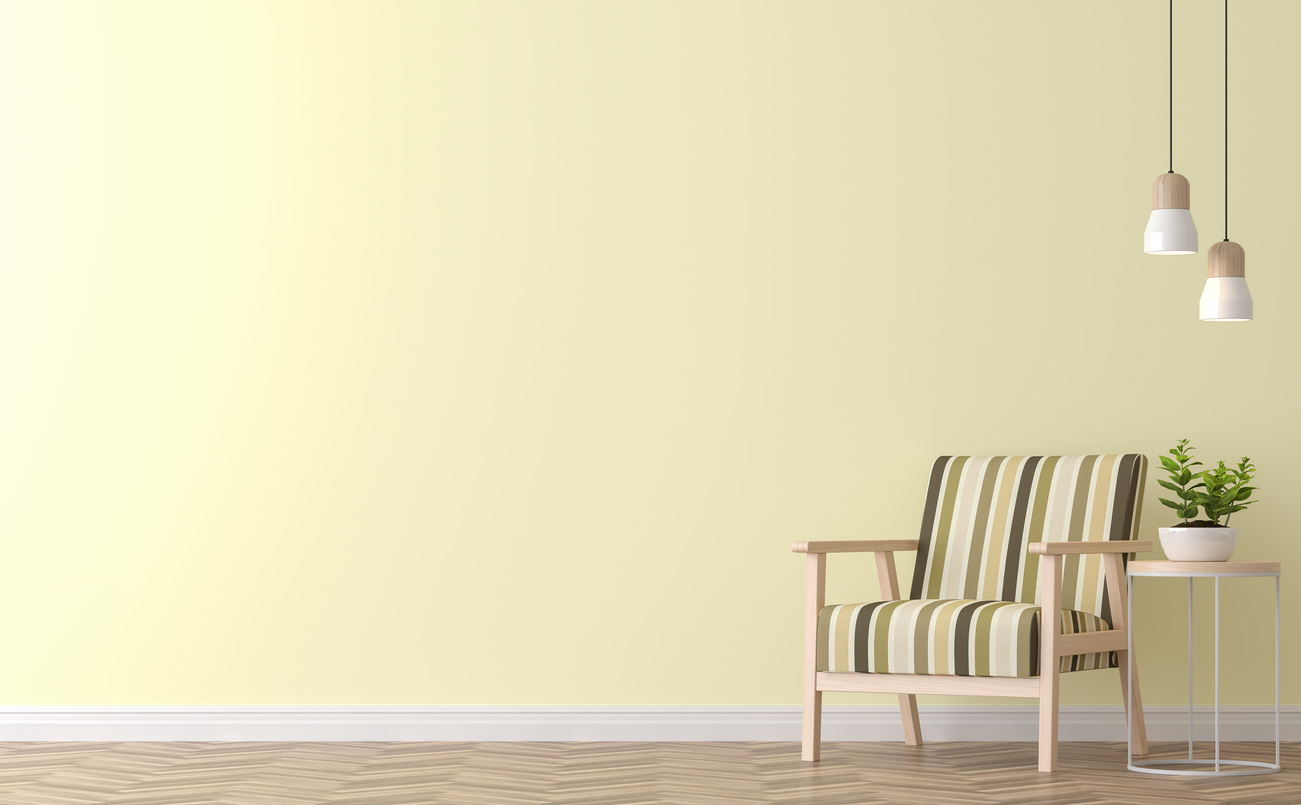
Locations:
column 614, row 774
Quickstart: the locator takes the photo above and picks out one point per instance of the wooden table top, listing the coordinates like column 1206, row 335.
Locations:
column 1184, row 568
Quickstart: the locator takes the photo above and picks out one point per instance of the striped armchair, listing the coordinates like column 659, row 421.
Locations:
column 1003, row 540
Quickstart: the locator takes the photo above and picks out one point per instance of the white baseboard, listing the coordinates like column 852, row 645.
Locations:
column 771, row 723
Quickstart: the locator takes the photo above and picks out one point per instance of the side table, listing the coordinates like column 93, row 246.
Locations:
column 1216, row 570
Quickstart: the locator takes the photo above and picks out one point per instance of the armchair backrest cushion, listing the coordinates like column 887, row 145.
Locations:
column 982, row 512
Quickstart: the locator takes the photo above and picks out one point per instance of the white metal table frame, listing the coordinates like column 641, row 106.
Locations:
column 1200, row 570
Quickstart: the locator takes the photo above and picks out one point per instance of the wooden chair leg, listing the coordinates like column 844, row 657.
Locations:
column 1050, row 625
column 811, row 738
column 912, row 725
column 889, row 580
column 1134, row 720
column 1118, row 591
column 1048, row 698
column 815, row 581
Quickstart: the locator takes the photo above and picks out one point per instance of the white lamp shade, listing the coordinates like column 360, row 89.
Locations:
column 1226, row 299
column 1170, row 231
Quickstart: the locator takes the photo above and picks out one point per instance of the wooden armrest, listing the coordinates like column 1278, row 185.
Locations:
column 858, row 546
column 1100, row 546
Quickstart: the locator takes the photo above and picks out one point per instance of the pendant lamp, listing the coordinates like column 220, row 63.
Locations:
column 1170, row 228
column 1226, row 297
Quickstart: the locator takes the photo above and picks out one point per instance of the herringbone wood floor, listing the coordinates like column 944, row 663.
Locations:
column 609, row 773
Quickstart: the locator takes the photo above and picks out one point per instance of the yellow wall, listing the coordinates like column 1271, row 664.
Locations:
column 494, row 353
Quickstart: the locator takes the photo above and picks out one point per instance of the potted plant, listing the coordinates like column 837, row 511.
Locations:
column 1219, row 493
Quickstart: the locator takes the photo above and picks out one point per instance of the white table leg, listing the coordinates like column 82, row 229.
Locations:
column 1129, row 670
column 1219, row 761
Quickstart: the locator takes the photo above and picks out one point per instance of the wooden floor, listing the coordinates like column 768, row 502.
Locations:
column 613, row 773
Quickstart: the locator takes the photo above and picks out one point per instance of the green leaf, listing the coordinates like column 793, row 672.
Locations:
column 1170, row 486
column 1168, row 503
column 1169, row 465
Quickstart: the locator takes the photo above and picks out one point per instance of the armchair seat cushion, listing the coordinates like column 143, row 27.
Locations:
column 946, row 636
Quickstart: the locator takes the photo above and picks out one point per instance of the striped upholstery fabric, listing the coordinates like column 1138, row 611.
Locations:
column 973, row 608
column 982, row 512
column 958, row 638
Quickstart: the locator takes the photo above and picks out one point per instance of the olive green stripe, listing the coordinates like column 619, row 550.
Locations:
column 880, row 635
column 976, row 550
column 981, row 627
column 922, row 640
column 943, row 530
column 824, row 638
column 1001, row 522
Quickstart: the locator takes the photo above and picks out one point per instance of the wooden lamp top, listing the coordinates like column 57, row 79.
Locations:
column 1170, row 192
column 1226, row 259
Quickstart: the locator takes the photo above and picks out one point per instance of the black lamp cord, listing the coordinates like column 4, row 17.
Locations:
column 1226, row 120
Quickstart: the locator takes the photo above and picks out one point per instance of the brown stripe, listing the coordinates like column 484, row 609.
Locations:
column 944, row 531
column 1122, row 502
column 962, row 639
column 1016, row 538
column 928, row 525
column 863, row 637
column 1140, row 483
column 1034, row 643
column 1028, row 584
column 922, row 637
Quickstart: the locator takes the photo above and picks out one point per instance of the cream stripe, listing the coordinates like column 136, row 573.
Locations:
column 964, row 511
column 1058, row 519
column 943, row 629
column 831, row 639
column 908, row 633
column 840, row 628
column 852, row 639
column 971, row 637
column 958, row 589
column 1003, row 633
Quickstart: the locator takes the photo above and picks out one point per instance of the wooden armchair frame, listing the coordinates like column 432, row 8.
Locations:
column 1052, row 644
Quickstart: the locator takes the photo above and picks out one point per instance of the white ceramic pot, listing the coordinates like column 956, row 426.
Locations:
column 1199, row 544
